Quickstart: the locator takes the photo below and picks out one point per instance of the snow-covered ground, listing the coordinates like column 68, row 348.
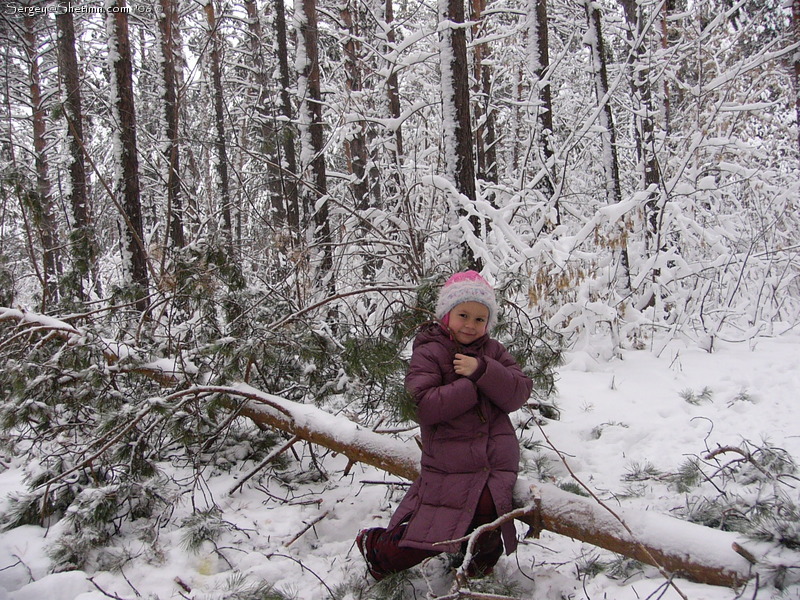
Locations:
column 625, row 425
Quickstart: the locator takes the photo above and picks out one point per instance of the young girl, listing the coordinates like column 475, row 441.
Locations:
column 464, row 384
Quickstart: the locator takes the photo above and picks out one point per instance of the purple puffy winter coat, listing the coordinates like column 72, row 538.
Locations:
column 468, row 440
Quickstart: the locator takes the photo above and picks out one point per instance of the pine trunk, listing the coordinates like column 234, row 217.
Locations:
column 289, row 178
column 485, row 135
column 220, row 143
column 316, row 199
column 392, row 83
column 134, row 253
column 82, row 240
column 644, row 115
column 267, row 133
column 666, row 10
column 40, row 204
column 613, row 186
column 355, row 144
column 676, row 547
column 167, row 25
column 455, row 100
column 796, row 73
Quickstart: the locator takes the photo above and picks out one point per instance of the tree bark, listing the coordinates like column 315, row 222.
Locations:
column 316, row 198
column 392, row 83
column 455, row 73
column 267, row 128
column 365, row 186
column 455, row 105
column 796, row 73
column 220, row 143
column 666, row 11
column 134, row 253
column 355, row 145
column 167, row 25
column 644, row 117
column 700, row 554
column 485, row 135
column 82, row 239
column 613, row 185
column 40, row 204
column 540, row 62
column 289, row 176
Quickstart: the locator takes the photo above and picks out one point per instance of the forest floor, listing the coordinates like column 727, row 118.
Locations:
column 627, row 426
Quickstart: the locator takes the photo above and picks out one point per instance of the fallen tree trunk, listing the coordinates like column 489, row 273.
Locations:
column 675, row 547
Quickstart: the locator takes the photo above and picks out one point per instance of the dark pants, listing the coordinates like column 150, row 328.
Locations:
column 386, row 556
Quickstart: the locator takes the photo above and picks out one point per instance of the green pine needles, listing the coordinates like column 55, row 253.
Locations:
column 748, row 489
column 112, row 441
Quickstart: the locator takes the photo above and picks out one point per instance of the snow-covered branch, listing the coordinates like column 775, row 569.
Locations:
column 676, row 547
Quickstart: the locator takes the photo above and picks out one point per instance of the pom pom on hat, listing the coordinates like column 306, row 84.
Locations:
column 467, row 286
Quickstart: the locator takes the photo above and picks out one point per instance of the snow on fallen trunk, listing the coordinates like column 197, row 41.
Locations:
column 339, row 434
column 677, row 547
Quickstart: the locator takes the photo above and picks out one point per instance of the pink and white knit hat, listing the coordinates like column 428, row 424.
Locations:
column 467, row 286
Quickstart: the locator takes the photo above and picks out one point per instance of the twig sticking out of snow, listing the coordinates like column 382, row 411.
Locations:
column 306, row 528
column 272, row 456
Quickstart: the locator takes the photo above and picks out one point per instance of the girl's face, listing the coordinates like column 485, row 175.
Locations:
column 468, row 321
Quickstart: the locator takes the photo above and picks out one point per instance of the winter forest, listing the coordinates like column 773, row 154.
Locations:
column 222, row 222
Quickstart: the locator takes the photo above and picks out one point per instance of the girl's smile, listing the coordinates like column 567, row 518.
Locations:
column 467, row 321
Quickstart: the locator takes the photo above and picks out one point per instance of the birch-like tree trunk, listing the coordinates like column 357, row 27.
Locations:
column 644, row 118
column 133, row 250
column 613, row 185
column 538, row 63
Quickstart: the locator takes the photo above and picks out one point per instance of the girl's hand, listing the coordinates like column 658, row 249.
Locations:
column 465, row 365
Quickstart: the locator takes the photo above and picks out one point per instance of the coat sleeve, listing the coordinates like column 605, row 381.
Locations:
column 436, row 401
column 504, row 383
